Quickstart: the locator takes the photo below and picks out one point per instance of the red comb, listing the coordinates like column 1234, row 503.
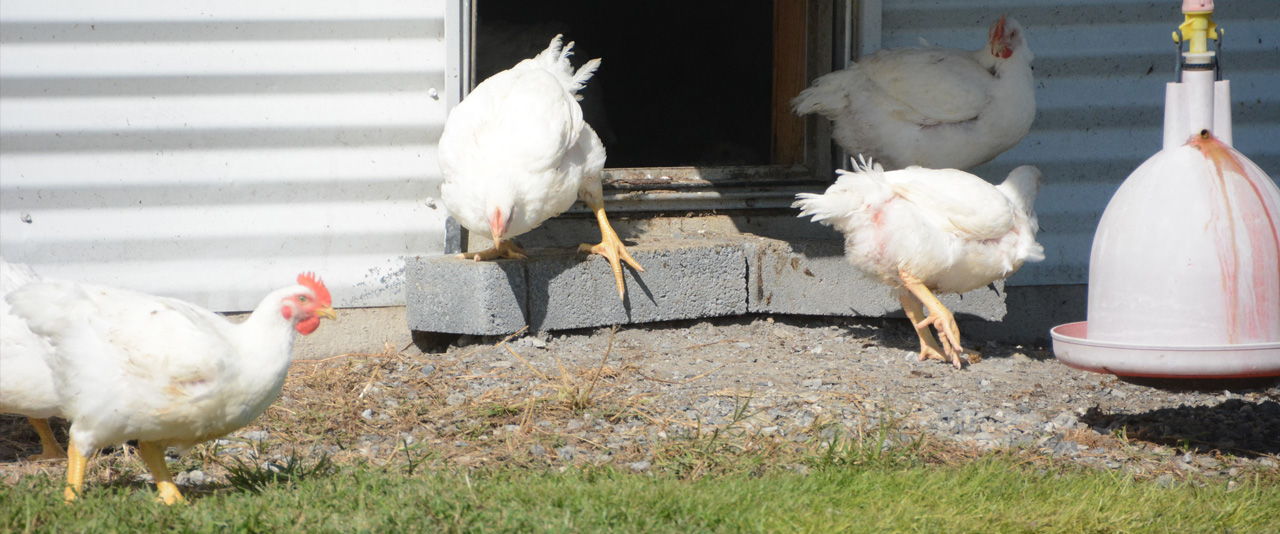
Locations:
column 314, row 284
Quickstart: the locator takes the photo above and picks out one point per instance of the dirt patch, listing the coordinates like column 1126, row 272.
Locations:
column 638, row 397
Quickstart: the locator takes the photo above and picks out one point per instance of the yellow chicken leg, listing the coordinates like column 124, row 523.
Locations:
column 76, row 464
column 153, row 454
column 49, row 444
column 501, row 249
column 929, row 349
column 612, row 249
column 940, row 318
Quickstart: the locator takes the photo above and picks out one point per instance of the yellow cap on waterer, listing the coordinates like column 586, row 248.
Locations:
column 1198, row 27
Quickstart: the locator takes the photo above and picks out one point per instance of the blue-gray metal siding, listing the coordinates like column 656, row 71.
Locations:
column 213, row 150
column 1101, row 70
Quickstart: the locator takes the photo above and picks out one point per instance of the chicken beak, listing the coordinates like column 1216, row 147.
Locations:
column 327, row 312
column 498, row 226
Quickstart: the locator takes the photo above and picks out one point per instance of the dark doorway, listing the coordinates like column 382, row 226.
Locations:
column 682, row 82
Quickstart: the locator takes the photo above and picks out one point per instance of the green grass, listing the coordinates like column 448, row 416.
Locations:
column 995, row 493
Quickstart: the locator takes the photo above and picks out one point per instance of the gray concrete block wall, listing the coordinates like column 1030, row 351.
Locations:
column 558, row 289
column 812, row 277
column 686, row 279
column 447, row 294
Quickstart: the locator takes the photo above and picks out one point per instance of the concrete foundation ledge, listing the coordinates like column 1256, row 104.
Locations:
column 559, row 289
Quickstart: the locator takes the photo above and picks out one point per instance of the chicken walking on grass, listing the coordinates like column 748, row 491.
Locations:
column 926, row 231
column 939, row 108
column 26, row 382
column 129, row 365
column 517, row 152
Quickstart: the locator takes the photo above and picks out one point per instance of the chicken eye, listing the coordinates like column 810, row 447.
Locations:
column 302, row 299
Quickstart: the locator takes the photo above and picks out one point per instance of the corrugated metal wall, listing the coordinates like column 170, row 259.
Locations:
column 1101, row 69
column 213, row 150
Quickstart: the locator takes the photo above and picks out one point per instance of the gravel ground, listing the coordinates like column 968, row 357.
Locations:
column 788, row 380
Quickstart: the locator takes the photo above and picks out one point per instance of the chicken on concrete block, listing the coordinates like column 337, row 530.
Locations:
column 26, row 382
column 927, row 231
column 517, row 152
column 129, row 365
column 939, row 108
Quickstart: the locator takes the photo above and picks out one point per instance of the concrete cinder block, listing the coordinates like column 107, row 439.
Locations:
column 561, row 289
column 456, row 296
column 812, row 277
column 683, row 279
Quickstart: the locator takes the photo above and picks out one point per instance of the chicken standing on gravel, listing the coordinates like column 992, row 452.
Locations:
column 932, row 230
column 129, row 365
column 26, row 382
column 934, row 107
column 517, row 152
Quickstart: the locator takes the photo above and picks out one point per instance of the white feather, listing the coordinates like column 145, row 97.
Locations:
column 951, row 229
column 518, row 143
column 933, row 107
column 128, row 365
column 26, row 382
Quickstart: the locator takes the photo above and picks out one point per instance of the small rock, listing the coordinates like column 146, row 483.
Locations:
column 538, row 450
column 640, row 466
column 1112, row 464
column 1066, row 447
column 256, row 435
column 537, row 343
column 196, row 478
column 455, row 399
column 367, row 414
column 566, row 453
column 1165, row 481
column 741, row 345
column 428, row 370
column 501, row 364
column 769, row 430
column 1207, row 462
column 811, row 382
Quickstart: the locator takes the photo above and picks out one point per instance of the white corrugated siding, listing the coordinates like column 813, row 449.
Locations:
column 1101, row 70
column 213, row 150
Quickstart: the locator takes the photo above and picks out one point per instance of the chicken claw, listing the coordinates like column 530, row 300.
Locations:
column 940, row 318
column 611, row 248
column 501, row 249
column 153, row 454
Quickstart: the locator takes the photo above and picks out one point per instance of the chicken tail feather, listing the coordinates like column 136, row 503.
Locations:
column 555, row 59
column 830, row 94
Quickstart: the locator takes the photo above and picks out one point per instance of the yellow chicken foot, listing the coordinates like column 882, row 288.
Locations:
column 940, row 318
column 49, row 444
column 76, row 464
column 611, row 248
column 929, row 349
column 153, row 454
column 501, row 249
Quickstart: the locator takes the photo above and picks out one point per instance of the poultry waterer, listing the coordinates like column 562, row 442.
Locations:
column 1184, row 275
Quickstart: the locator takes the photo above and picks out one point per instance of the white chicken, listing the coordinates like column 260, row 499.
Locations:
column 129, row 365
column 933, row 107
column 26, row 382
column 932, row 230
column 517, row 152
